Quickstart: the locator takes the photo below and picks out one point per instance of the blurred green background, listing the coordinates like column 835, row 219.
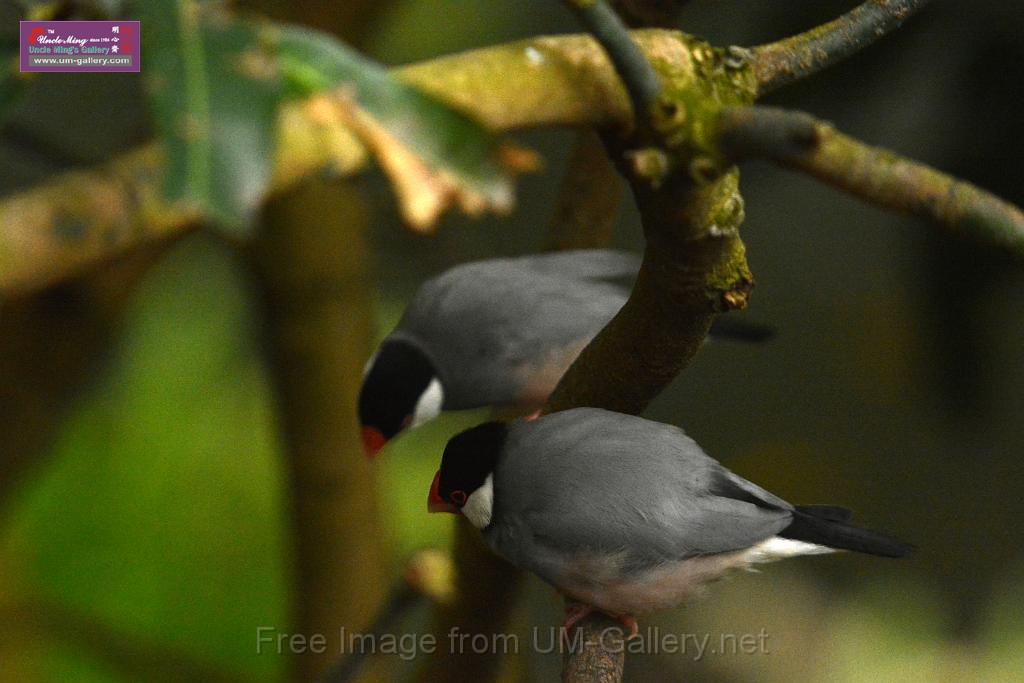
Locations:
column 150, row 539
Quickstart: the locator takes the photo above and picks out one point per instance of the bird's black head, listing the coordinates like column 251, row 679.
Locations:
column 400, row 389
column 464, row 483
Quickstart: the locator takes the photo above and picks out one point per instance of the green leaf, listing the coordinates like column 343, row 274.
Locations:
column 214, row 91
column 435, row 155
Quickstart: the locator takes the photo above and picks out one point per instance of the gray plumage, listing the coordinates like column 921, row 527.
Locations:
column 502, row 331
column 630, row 515
column 652, row 495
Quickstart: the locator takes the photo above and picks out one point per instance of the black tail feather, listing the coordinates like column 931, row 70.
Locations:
column 832, row 513
column 826, row 525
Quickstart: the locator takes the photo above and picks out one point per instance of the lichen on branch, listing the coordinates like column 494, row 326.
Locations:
column 799, row 141
column 78, row 219
column 780, row 63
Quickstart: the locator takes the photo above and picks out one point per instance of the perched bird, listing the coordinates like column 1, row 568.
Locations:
column 624, row 514
column 499, row 332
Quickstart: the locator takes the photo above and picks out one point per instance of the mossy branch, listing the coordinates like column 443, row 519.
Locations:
column 801, row 142
column 780, row 63
column 694, row 267
column 78, row 219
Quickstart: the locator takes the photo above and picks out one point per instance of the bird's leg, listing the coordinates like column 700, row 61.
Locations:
column 630, row 623
column 532, row 416
column 575, row 612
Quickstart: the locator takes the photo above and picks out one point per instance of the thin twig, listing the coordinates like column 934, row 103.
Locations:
column 401, row 603
column 428, row 578
column 799, row 141
column 780, row 63
column 631, row 64
column 486, row 588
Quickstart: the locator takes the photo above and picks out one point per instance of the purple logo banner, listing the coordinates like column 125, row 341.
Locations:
column 80, row 46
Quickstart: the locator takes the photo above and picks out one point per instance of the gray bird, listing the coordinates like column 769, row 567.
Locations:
column 499, row 332
column 624, row 514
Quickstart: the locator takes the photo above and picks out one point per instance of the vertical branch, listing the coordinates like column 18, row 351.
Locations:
column 311, row 263
column 694, row 267
column 589, row 201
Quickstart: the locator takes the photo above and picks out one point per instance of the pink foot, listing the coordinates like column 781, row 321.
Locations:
column 532, row 416
column 576, row 612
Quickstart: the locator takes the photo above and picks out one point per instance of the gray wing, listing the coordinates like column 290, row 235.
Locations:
column 588, row 482
column 502, row 332
column 607, row 265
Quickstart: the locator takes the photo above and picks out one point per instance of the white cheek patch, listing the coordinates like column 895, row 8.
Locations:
column 480, row 504
column 429, row 404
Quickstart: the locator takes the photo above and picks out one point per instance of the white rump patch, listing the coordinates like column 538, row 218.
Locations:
column 429, row 404
column 778, row 548
column 480, row 504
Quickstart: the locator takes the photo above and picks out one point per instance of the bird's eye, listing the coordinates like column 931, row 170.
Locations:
column 458, row 497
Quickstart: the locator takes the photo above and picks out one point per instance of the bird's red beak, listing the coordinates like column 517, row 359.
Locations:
column 373, row 441
column 435, row 503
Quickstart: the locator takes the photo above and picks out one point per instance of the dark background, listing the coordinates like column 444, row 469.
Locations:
column 893, row 385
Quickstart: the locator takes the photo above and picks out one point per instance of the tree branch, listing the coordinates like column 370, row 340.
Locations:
column 600, row 657
column 631, row 64
column 801, row 142
column 311, row 263
column 595, row 659
column 79, row 219
column 427, row 579
column 783, row 62
column 589, row 201
column 694, row 267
